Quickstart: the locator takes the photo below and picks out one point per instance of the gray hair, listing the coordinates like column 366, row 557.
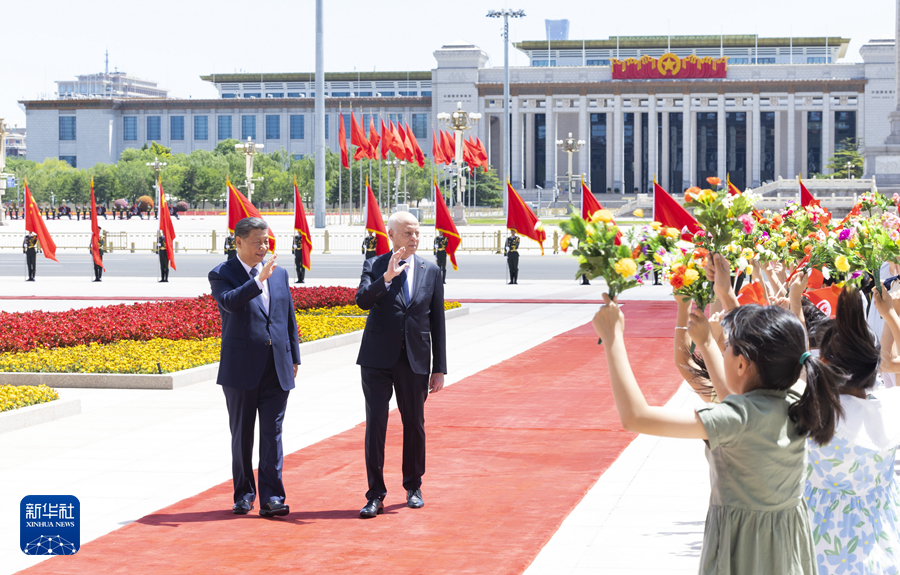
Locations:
column 398, row 218
column 243, row 228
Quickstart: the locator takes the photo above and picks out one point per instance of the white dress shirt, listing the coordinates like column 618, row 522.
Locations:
column 263, row 285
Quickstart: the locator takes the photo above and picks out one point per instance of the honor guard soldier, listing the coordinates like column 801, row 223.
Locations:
column 512, row 256
column 98, row 270
column 297, row 250
column 440, row 253
column 230, row 249
column 30, row 249
column 163, row 257
column 368, row 245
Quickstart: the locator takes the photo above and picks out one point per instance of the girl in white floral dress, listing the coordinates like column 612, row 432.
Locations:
column 851, row 491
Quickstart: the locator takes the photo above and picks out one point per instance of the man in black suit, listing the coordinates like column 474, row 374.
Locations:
column 404, row 294
column 259, row 361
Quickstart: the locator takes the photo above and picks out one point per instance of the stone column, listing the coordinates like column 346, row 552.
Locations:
column 618, row 145
column 687, row 171
column 756, row 144
column 827, row 135
column 721, row 138
column 804, row 144
column 550, row 145
column 779, row 165
column 663, row 176
column 515, row 144
column 791, row 138
column 693, row 166
column 652, row 144
column 751, row 134
column 584, row 133
column 894, row 117
column 610, row 146
column 639, row 168
column 530, row 149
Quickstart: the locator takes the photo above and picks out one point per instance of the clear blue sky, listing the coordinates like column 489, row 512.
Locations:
column 174, row 42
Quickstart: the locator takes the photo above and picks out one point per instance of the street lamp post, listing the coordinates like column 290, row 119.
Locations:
column 506, row 14
column 849, row 170
column 570, row 145
column 4, row 132
column 250, row 150
column 396, row 166
column 459, row 121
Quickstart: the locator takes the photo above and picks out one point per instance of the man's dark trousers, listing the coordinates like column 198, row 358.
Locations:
column 271, row 401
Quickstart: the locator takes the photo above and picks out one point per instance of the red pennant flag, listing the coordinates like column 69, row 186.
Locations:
column 826, row 299
column 522, row 219
column 375, row 223
column 590, row 206
column 448, row 142
column 668, row 212
column 469, row 156
column 342, row 142
column 397, row 145
column 239, row 207
column 482, row 154
column 732, row 189
column 386, row 140
column 816, row 279
column 165, row 226
column 443, row 222
column 301, row 226
column 373, row 138
column 358, row 139
column 437, row 154
column 35, row 225
column 417, row 151
column 408, row 145
column 95, row 230
column 752, row 293
column 806, row 199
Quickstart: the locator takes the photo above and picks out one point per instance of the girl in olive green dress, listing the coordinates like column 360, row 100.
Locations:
column 756, row 437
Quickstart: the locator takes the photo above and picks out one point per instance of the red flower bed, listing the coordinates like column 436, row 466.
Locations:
column 187, row 319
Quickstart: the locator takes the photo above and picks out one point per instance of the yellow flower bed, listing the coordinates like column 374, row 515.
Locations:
column 16, row 396
column 313, row 327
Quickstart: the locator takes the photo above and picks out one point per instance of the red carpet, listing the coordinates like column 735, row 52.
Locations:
column 511, row 451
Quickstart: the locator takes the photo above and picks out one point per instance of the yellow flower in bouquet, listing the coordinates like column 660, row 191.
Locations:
column 639, row 213
column 656, row 225
column 602, row 216
column 564, row 242
column 842, row 264
column 625, row 267
column 690, row 276
column 673, row 232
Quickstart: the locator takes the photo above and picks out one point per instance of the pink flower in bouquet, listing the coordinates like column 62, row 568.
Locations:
column 748, row 223
column 846, row 234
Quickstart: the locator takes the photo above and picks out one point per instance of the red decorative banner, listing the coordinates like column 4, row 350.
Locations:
column 669, row 67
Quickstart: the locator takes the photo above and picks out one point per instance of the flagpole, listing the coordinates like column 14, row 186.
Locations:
column 340, row 171
column 350, row 162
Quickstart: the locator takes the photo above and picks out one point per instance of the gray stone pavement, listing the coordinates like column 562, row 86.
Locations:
column 132, row 452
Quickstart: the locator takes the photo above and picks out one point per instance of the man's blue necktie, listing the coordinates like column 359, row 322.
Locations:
column 404, row 287
column 254, row 272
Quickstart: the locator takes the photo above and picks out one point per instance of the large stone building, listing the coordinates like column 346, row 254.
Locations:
column 779, row 109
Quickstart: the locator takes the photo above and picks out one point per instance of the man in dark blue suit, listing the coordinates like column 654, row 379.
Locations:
column 259, row 360
column 404, row 294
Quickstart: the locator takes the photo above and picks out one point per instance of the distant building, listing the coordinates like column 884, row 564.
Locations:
column 15, row 143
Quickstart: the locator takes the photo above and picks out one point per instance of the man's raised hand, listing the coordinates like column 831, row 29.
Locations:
column 268, row 268
column 394, row 268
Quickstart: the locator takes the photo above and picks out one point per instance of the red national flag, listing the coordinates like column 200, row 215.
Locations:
column 358, row 139
column 397, row 144
column 407, row 143
column 522, row 219
column 373, row 138
column 417, row 151
column 590, row 206
column 95, row 230
column 301, row 226
column 806, row 198
column 437, row 153
column 405, row 152
column 342, row 142
column 470, row 155
column 165, row 226
column 816, row 279
column 448, row 142
column 752, row 293
column 443, row 222
column 482, row 154
column 668, row 212
column 375, row 223
column 35, row 225
column 239, row 207
column 386, row 140
column 732, row 189
column 826, row 299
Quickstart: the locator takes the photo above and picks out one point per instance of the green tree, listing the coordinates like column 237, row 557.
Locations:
column 106, row 183
column 847, row 151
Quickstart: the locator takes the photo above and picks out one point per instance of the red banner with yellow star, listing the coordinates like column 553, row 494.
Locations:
column 669, row 67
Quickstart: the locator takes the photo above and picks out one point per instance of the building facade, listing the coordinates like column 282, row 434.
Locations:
column 779, row 109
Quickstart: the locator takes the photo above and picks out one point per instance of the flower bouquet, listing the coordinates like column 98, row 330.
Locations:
column 721, row 214
column 685, row 271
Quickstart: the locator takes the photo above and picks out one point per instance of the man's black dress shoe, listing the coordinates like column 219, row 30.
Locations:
column 414, row 499
column 373, row 507
column 242, row 507
column 274, row 509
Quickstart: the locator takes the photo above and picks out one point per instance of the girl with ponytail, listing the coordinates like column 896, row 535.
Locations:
column 851, row 490
column 755, row 438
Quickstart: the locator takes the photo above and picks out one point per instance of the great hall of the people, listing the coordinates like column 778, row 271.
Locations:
column 678, row 108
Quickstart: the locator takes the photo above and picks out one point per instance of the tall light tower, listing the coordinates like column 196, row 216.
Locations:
column 250, row 150
column 459, row 121
column 506, row 14
column 570, row 145
column 320, row 117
